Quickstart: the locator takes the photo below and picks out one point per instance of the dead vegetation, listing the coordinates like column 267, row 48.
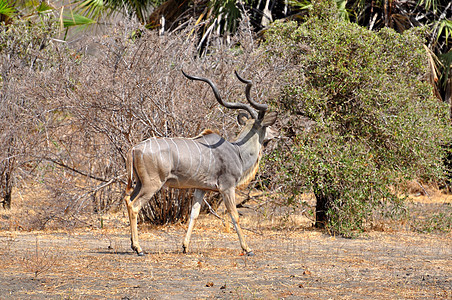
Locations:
column 303, row 263
column 39, row 261
column 292, row 260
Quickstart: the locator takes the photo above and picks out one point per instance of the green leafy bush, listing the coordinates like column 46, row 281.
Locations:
column 27, row 44
column 374, row 121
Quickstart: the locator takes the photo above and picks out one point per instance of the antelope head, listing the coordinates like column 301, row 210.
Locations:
column 256, row 120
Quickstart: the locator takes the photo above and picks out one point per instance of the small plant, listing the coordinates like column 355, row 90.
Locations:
column 39, row 261
column 437, row 222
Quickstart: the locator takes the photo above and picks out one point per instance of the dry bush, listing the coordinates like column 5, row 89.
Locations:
column 26, row 52
column 39, row 261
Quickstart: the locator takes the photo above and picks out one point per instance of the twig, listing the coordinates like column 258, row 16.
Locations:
column 229, row 222
column 426, row 193
column 213, row 212
column 75, row 170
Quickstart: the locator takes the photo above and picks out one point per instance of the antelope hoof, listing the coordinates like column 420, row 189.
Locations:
column 135, row 248
column 250, row 253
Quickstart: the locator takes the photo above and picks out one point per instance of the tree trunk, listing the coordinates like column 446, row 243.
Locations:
column 6, row 187
column 324, row 201
column 321, row 207
column 6, row 176
column 7, row 201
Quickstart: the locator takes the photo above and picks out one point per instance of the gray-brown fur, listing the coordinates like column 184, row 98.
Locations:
column 207, row 162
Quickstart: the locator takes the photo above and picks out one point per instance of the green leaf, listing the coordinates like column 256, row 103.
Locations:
column 6, row 9
column 91, row 8
column 307, row 5
column 76, row 20
column 342, row 9
column 301, row 5
column 445, row 27
column 44, row 7
column 429, row 4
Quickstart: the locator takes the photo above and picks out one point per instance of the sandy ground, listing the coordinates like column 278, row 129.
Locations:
column 295, row 264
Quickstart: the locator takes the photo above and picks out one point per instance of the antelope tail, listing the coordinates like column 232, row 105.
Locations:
column 129, row 168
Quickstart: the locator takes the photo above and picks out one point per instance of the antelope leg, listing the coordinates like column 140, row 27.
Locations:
column 197, row 198
column 229, row 201
column 134, row 204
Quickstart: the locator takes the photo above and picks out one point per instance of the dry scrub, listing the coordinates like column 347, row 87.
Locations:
column 292, row 260
column 98, row 263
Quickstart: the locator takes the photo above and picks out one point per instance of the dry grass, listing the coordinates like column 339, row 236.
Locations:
column 287, row 265
column 95, row 263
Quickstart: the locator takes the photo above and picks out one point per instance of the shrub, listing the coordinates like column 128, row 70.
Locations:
column 25, row 48
column 375, row 120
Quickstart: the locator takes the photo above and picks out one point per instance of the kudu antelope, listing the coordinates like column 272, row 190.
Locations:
column 206, row 163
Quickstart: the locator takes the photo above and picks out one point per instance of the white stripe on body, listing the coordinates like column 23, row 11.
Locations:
column 160, row 150
column 240, row 157
column 200, row 159
column 188, row 148
column 210, row 155
column 144, row 149
column 178, row 153
column 169, row 152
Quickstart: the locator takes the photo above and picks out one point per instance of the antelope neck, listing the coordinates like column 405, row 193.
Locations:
column 248, row 148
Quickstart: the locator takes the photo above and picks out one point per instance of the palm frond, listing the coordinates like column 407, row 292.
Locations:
column 445, row 28
column 343, row 13
column 6, row 9
column 228, row 12
column 429, row 4
column 138, row 8
column 301, row 4
column 434, row 64
column 44, row 7
column 91, row 8
column 74, row 19
column 446, row 60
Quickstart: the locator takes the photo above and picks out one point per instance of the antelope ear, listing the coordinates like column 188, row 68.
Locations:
column 270, row 118
column 242, row 118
